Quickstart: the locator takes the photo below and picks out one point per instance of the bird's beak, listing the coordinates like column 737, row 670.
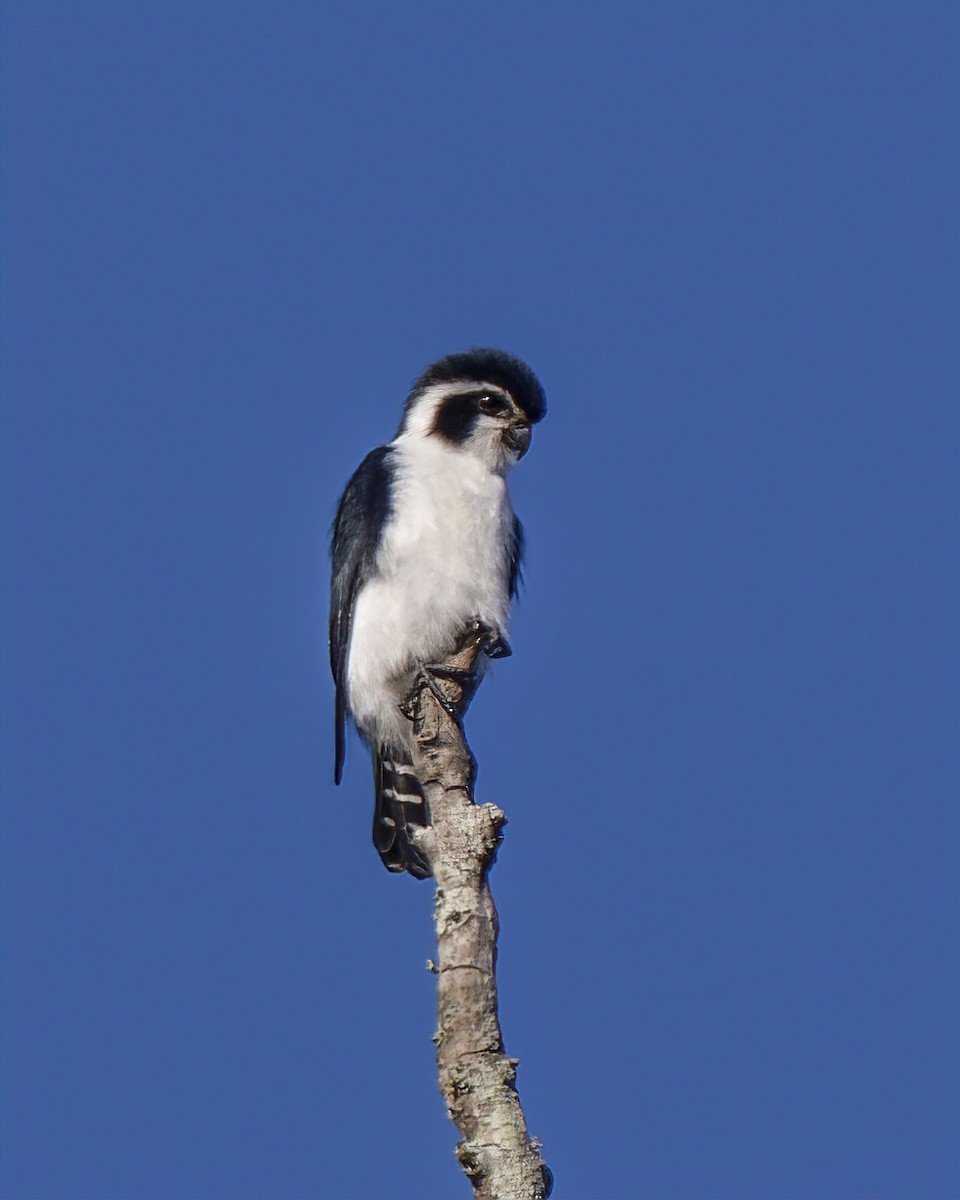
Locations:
column 517, row 437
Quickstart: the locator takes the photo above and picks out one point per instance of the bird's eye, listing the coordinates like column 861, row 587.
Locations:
column 493, row 406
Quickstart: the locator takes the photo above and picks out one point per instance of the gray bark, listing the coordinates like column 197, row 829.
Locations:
column 476, row 1077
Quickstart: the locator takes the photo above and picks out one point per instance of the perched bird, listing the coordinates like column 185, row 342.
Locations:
column 425, row 546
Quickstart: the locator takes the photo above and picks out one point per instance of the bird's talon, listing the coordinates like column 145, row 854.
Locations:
column 491, row 642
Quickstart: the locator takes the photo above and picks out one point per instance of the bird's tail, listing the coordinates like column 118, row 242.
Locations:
column 399, row 802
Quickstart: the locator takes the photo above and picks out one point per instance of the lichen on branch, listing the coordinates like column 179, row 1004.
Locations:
column 477, row 1079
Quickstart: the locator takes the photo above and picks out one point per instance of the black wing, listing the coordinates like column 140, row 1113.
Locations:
column 515, row 557
column 360, row 518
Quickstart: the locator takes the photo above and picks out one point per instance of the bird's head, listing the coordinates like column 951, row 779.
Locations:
column 481, row 402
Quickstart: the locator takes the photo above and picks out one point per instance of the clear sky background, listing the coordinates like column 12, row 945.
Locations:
column 724, row 234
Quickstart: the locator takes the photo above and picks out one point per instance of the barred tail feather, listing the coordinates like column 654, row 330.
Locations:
column 399, row 802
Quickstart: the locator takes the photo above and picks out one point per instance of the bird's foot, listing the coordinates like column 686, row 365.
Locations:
column 491, row 641
column 427, row 676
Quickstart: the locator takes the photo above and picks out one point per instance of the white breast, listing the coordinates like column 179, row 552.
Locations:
column 442, row 563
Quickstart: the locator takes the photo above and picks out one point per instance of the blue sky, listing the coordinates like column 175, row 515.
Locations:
column 725, row 236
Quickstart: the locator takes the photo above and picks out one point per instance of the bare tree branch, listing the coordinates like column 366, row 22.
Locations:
column 476, row 1077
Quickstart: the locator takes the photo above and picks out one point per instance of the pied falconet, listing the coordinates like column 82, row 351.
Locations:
column 425, row 547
